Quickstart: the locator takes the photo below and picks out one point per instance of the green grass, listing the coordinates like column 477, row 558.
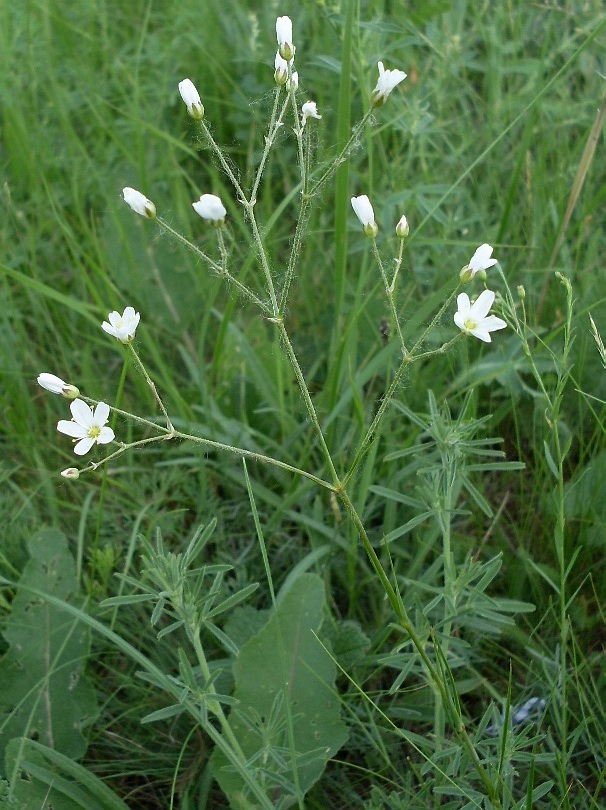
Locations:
column 482, row 142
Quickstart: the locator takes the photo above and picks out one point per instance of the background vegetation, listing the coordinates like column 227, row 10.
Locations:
column 481, row 143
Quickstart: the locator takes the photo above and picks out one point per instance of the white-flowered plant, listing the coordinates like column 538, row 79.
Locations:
column 88, row 427
column 139, row 202
column 266, row 289
column 284, row 37
column 479, row 262
column 309, row 110
column 474, row 318
column 122, row 326
column 210, row 207
column 364, row 212
column 54, row 384
column 388, row 79
column 191, row 97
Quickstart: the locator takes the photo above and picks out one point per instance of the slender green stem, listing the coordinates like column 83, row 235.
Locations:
column 290, row 352
column 175, row 434
column 151, row 384
column 190, row 245
column 274, row 125
column 220, row 269
column 214, row 705
column 398, row 264
column 411, row 357
column 343, row 155
column 249, row 209
column 400, row 611
column 224, row 164
column 390, row 295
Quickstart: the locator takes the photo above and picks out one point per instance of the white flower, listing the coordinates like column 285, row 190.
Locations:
column 71, row 472
column 474, row 319
column 139, row 203
column 388, row 79
column 280, row 70
column 402, row 228
column 122, row 326
column 309, row 110
column 191, row 97
column 293, row 82
column 58, row 386
column 284, row 36
column 210, row 207
column 86, row 426
column 363, row 210
column 481, row 259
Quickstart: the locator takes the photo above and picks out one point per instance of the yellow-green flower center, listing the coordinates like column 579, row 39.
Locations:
column 471, row 324
column 94, row 431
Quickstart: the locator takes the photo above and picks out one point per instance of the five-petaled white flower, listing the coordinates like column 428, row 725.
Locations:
column 87, row 426
column 284, row 36
column 388, row 79
column 363, row 210
column 309, row 110
column 56, row 385
column 474, row 318
column 481, row 259
column 122, row 326
column 191, row 97
column 139, row 202
column 210, row 207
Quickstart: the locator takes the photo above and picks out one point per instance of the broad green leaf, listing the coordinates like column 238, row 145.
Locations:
column 287, row 721
column 43, row 693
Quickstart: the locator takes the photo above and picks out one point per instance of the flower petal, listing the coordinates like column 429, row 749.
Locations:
column 492, row 323
column 105, row 436
column 459, row 319
column 82, row 414
column 71, row 429
column 463, row 304
column 481, row 306
column 101, row 413
column 83, row 446
column 481, row 333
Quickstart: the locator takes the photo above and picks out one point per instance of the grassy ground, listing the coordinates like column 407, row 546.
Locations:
column 482, row 142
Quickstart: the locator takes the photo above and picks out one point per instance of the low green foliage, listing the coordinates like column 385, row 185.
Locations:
column 45, row 695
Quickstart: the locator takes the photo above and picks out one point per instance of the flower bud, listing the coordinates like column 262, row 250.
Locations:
column 293, row 82
column 139, row 203
column 191, row 97
column 284, row 36
column 58, row 386
column 210, row 207
column 466, row 274
column 402, row 228
column 280, row 70
column 71, row 472
column 364, row 212
column 521, row 292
